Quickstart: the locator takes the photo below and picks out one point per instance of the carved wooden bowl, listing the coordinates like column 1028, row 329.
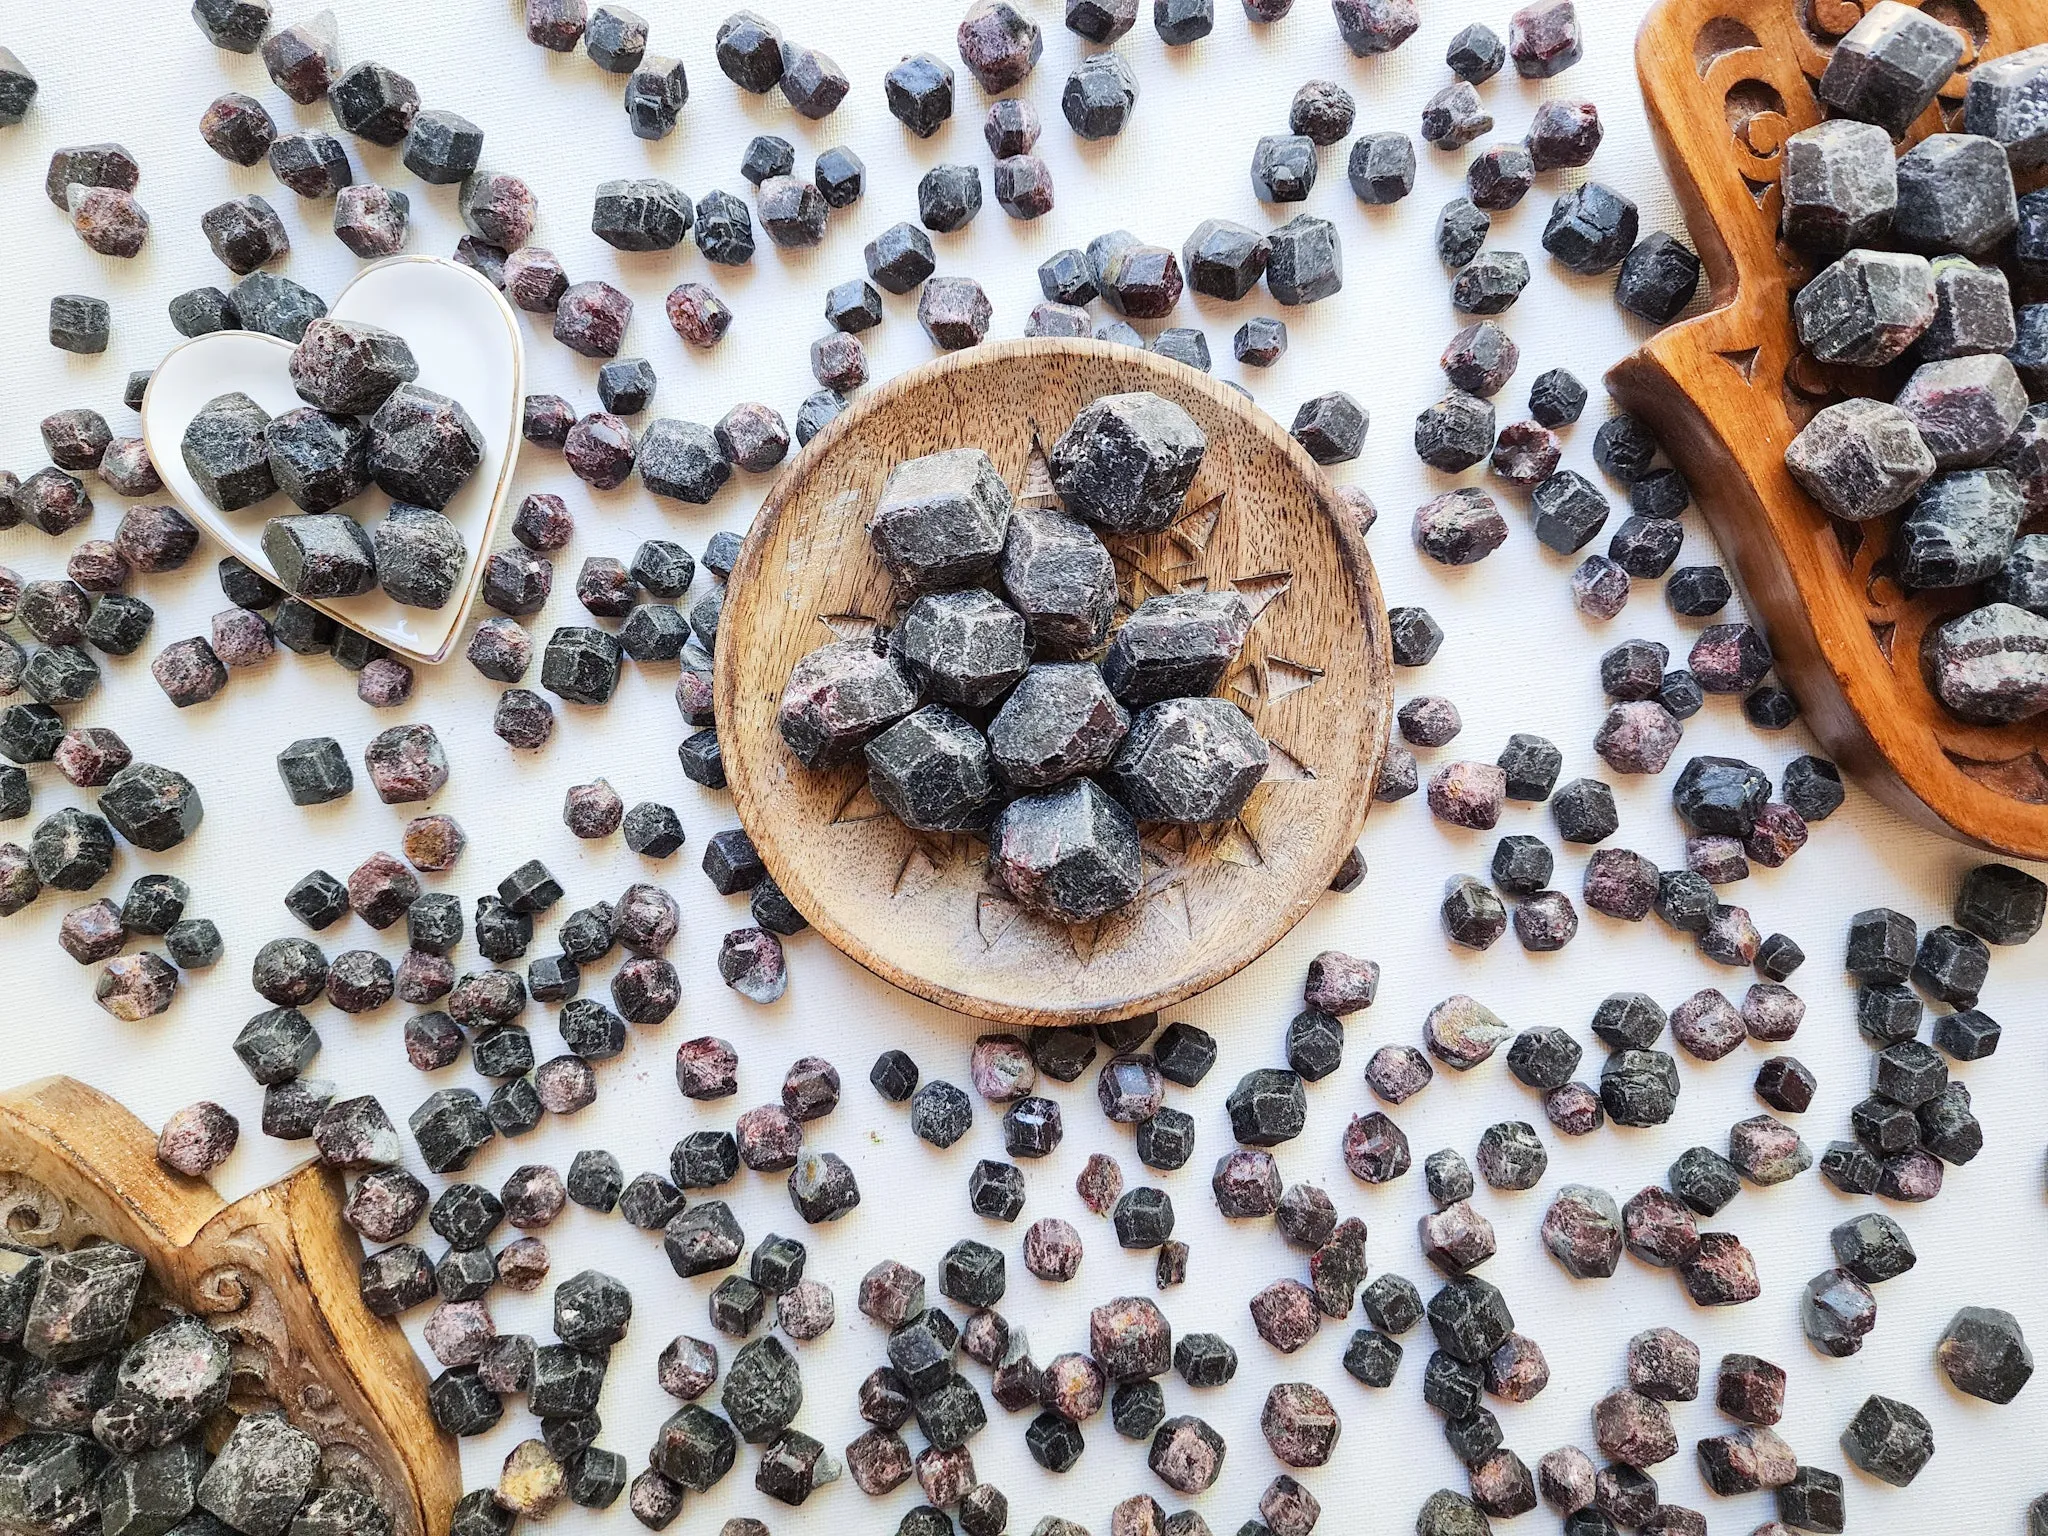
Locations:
column 919, row 909
column 274, row 1274
column 1726, row 81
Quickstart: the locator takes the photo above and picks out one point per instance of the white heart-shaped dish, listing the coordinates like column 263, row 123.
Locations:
column 468, row 345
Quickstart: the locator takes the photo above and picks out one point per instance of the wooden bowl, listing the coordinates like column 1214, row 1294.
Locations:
column 274, row 1273
column 920, row 910
column 1726, row 81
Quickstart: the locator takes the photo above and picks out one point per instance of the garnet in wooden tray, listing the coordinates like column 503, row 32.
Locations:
column 1726, row 82
column 274, row 1274
column 920, row 909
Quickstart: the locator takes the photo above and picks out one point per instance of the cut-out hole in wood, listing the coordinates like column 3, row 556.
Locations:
column 849, row 626
column 1721, row 36
column 1882, row 634
column 860, row 803
column 1849, row 536
column 1282, row 766
column 2023, row 778
column 993, row 917
column 1284, row 677
column 1237, row 845
column 1743, row 361
column 1036, row 484
column 1262, row 591
column 1198, row 525
column 916, row 873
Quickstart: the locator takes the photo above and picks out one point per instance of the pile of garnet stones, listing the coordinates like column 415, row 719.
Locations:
column 115, row 1408
column 1957, row 452
column 1081, row 743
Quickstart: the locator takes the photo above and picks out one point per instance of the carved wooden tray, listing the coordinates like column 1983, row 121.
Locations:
column 1725, row 82
column 1315, row 676
column 274, row 1273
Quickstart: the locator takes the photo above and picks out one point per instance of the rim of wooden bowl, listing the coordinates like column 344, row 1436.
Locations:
column 752, row 765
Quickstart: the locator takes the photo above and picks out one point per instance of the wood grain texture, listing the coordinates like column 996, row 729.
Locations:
column 1315, row 676
column 274, row 1273
column 1725, row 83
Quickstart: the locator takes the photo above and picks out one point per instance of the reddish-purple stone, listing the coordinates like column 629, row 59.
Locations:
column 1072, row 1386
column 591, row 319
column 1779, row 833
column 1722, row 1273
column 1584, row 1232
column 1664, row 1364
column 1099, row 1183
column 1526, row 454
column 999, row 45
column 1052, row 1249
column 1468, row 794
column 1517, row 1371
column 1574, row 1109
column 599, row 450
column 1375, row 1149
column 1660, row 1229
column 1706, row 1025
column 1187, row 1455
column 1750, row 1389
column 1633, row 1429
column 1300, row 1424
column 1246, row 1183
column 1286, row 1315
column 698, row 315
column 1131, row 1339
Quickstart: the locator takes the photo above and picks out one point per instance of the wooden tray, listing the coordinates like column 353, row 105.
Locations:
column 1726, row 81
column 1315, row 675
column 274, row 1273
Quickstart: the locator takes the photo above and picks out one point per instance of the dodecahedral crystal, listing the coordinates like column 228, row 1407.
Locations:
column 1983, row 1353
column 1860, row 458
column 1332, row 427
column 312, row 164
column 1658, row 279
column 1381, row 168
column 1305, row 261
column 965, row 648
column 1567, row 511
column 1866, row 308
column 423, row 446
column 591, row 319
column 318, row 460
column 840, row 696
column 1488, row 282
column 1888, row 67
column 1889, row 1439
column 1954, row 194
column 1591, row 228
column 1189, row 761
column 1126, row 462
column 1099, row 95
column 932, row 770
column 264, row 1471
column 1455, row 433
column 1964, row 408
column 224, row 447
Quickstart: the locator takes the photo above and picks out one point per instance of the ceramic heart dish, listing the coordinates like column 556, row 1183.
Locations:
column 468, row 346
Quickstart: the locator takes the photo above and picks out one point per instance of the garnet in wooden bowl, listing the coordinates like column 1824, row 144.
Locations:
column 1726, row 82
column 919, row 909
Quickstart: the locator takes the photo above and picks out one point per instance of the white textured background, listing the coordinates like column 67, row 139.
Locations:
column 1518, row 657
